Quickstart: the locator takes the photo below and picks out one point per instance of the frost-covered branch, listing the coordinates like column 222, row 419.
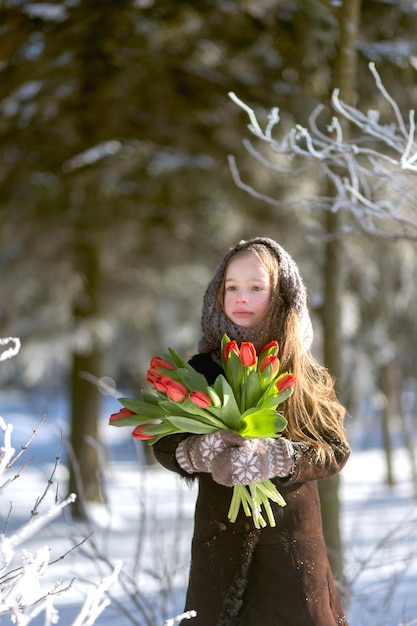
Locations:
column 49, row 483
column 12, row 350
column 7, row 450
column 177, row 620
column 21, row 596
column 11, row 460
column 94, row 603
column 7, row 545
column 373, row 175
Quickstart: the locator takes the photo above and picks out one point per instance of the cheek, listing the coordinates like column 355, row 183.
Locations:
column 226, row 302
column 263, row 305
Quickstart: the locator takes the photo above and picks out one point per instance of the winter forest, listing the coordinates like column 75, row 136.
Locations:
column 139, row 140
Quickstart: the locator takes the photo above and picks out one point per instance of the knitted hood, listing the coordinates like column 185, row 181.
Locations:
column 291, row 296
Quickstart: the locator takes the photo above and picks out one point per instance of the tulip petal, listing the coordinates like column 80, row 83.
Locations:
column 138, row 433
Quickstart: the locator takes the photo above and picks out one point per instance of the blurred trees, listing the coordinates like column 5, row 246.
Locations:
column 115, row 130
column 116, row 197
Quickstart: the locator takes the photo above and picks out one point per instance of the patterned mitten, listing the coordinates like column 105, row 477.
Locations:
column 196, row 453
column 259, row 460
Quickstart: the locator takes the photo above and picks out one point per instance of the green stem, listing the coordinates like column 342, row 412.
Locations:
column 252, row 498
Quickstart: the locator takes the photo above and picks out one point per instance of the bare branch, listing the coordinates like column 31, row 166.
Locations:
column 367, row 172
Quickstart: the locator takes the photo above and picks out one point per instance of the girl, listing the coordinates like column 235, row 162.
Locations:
column 276, row 576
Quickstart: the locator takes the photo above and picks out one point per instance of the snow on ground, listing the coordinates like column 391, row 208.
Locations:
column 379, row 527
column 147, row 523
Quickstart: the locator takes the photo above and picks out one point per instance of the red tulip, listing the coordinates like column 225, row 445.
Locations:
column 285, row 381
column 120, row 414
column 230, row 347
column 156, row 361
column 161, row 383
column 272, row 363
column 247, row 354
column 200, row 399
column 271, row 344
column 177, row 392
column 138, row 433
column 152, row 374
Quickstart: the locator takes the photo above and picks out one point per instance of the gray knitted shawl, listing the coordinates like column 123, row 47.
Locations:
column 291, row 296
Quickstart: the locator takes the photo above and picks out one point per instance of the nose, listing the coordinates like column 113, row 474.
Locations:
column 241, row 295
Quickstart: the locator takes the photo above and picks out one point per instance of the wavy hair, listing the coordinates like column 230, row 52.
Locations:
column 314, row 414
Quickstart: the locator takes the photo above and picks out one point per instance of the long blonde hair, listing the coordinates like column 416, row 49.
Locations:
column 314, row 414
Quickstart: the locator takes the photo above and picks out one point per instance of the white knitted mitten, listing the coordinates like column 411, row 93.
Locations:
column 196, row 453
column 255, row 462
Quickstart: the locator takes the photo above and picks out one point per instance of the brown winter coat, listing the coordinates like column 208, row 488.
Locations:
column 278, row 576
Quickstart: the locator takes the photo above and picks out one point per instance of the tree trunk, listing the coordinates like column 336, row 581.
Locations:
column 386, row 426
column 345, row 81
column 333, row 345
column 86, row 360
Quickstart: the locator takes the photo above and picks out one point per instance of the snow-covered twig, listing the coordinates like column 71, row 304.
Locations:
column 176, row 620
column 49, row 483
column 6, row 450
column 367, row 173
column 8, row 544
column 94, row 603
column 12, row 459
column 21, row 597
column 12, row 350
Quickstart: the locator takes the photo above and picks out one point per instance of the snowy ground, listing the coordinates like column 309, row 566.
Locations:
column 148, row 523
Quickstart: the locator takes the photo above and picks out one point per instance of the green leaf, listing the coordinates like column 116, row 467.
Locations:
column 189, row 408
column 177, row 360
column 189, row 425
column 229, row 413
column 261, row 423
column 173, row 408
column 193, row 380
column 150, row 398
column 285, row 394
column 131, row 420
column 143, row 409
column 268, row 401
column 218, row 386
column 164, row 429
column 251, row 391
column 271, row 399
column 281, row 423
column 167, row 431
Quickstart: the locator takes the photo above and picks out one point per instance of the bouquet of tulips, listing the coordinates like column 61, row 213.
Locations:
column 245, row 400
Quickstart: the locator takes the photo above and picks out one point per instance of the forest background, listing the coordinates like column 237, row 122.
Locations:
column 117, row 198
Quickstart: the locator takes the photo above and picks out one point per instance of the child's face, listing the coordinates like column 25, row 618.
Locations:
column 247, row 290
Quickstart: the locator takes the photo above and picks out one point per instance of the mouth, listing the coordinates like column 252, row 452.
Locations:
column 242, row 313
